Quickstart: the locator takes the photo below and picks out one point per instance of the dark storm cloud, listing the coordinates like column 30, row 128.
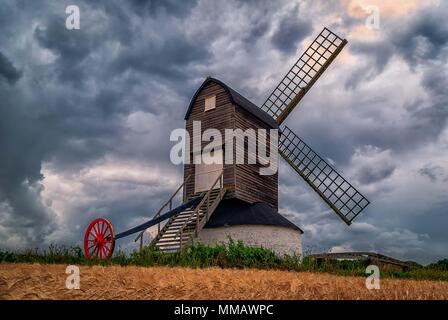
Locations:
column 419, row 39
column 152, row 57
column 169, row 7
column 436, row 80
column 8, row 71
column 368, row 175
column 433, row 172
column 293, row 28
column 67, row 44
column 425, row 43
column 111, row 92
column 422, row 42
column 71, row 48
column 57, row 115
column 380, row 55
column 21, row 149
column 424, row 39
column 257, row 31
column 431, row 121
column 409, row 127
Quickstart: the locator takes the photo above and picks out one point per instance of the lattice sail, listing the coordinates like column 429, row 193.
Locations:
column 304, row 73
column 337, row 192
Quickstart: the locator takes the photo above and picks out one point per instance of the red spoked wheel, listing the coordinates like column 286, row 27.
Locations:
column 99, row 240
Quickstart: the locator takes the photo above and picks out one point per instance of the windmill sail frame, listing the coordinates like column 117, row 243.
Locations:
column 303, row 74
column 335, row 190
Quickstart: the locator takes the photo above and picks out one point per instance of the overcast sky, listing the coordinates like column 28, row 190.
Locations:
column 85, row 115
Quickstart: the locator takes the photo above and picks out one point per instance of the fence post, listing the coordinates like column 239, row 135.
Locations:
column 197, row 221
column 181, row 239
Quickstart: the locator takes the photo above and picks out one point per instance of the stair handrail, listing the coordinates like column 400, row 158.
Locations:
column 170, row 202
column 195, row 213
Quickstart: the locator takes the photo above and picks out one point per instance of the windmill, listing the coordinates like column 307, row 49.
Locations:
column 337, row 192
column 233, row 200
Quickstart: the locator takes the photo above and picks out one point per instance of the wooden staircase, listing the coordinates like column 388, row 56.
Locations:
column 181, row 229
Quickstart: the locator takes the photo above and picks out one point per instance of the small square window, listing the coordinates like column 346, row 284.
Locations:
column 210, row 103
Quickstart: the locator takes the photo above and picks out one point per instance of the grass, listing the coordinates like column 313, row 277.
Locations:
column 232, row 255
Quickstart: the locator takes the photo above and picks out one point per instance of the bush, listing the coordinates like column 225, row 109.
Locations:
column 439, row 265
column 54, row 254
column 232, row 255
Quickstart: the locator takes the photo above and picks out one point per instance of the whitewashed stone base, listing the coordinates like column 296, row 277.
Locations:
column 279, row 239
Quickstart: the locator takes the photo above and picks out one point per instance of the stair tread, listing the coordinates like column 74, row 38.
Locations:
column 175, row 235
column 168, row 246
column 169, row 239
column 174, row 231
column 183, row 220
column 171, row 242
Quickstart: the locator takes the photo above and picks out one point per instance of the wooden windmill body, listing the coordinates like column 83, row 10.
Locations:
column 248, row 211
column 238, row 202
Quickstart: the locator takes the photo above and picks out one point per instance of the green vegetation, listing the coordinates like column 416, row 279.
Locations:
column 232, row 255
column 440, row 265
column 53, row 255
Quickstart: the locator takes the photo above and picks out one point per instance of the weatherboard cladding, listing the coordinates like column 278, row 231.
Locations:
column 236, row 99
column 250, row 185
column 219, row 118
column 242, row 181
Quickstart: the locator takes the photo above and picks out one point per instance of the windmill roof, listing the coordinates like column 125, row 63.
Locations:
column 231, row 212
column 236, row 99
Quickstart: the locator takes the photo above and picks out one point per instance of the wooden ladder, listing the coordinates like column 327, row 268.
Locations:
column 181, row 229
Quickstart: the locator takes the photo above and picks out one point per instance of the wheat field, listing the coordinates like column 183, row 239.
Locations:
column 37, row 281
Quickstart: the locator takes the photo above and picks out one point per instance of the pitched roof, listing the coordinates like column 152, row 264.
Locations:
column 236, row 99
column 232, row 212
